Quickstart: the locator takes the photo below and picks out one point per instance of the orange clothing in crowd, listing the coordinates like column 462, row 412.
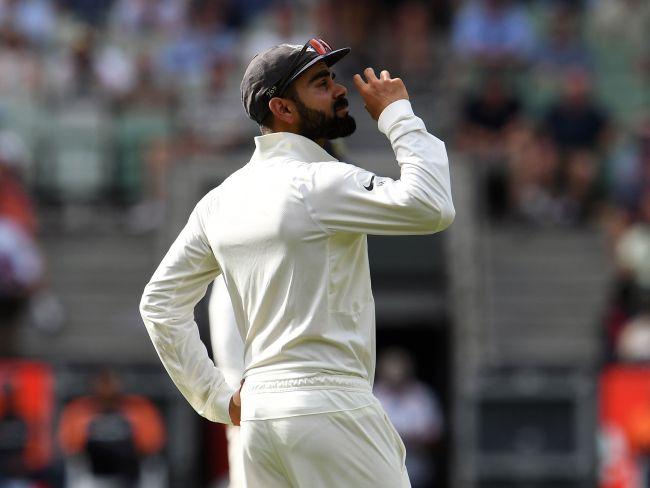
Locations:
column 34, row 403
column 15, row 204
column 143, row 416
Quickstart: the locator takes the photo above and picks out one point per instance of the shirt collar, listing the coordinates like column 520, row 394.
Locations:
column 290, row 146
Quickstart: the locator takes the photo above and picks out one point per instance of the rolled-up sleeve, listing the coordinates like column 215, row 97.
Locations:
column 167, row 309
column 343, row 197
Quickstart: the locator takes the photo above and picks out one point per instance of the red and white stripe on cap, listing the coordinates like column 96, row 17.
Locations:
column 320, row 46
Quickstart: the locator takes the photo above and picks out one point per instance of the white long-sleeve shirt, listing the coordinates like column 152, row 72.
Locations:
column 227, row 342
column 288, row 233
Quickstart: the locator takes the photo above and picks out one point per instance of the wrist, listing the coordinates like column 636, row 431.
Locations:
column 392, row 113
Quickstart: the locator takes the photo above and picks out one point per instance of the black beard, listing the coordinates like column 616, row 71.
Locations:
column 315, row 124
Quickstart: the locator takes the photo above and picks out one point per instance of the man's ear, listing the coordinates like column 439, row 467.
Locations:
column 282, row 109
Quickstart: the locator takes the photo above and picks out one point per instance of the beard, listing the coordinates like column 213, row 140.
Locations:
column 315, row 124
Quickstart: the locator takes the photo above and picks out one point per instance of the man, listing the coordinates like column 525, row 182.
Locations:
column 14, row 439
column 288, row 234
column 228, row 354
column 111, row 432
column 412, row 406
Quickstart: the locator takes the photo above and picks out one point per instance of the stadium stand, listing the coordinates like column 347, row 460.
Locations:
column 130, row 112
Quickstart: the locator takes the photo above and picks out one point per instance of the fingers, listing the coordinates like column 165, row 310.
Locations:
column 234, row 410
column 359, row 83
column 370, row 75
column 236, row 398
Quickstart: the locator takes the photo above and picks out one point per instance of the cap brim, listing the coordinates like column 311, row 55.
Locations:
column 330, row 59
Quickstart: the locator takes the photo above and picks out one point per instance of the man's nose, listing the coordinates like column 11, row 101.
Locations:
column 340, row 91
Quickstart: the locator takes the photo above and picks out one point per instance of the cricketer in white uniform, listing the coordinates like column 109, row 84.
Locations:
column 288, row 234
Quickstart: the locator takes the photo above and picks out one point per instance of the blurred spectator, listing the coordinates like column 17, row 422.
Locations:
column 72, row 72
column 634, row 340
column 138, row 17
column 143, row 125
column 112, row 432
column 26, row 404
column 413, row 409
column 21, row 265
column 20, row 68
column 146, row 91
column 621, row 20
column 487, row 114
column 14, row 433
column 115, row 70
column 493, row 32
column 214, row 115
column 22, row 269
column 15, row 203
column 629, row 168
column 355, row 27
column 412, row 50
column 90, row 12
column 186, row 58
column 532, row 174
column 158, row 155
column 279, row 24
column 580, row 193
column 616, row 221
column 637, row 423
column 627, row 315
column 562, row 49
column 323, row 17
column 34, row 19
column 633, row 254
column 546, row 190
column 576, row 120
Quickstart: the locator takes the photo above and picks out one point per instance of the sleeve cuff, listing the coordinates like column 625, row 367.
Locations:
column 221, row 411
column 393, row 113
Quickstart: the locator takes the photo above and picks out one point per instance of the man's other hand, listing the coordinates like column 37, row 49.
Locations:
column 234, row 408
column 379, row 93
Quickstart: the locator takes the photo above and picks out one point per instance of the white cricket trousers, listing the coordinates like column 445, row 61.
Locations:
column 354, row 448
column 235, row 466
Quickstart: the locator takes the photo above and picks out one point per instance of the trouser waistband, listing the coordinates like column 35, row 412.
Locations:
column 324, row 382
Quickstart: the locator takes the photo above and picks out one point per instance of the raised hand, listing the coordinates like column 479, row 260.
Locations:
column 379, row 93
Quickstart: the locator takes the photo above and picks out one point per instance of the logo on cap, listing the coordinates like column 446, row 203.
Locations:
column 320, row 46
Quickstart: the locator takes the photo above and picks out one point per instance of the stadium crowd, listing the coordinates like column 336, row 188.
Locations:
column 548, row 99
column 533, row 78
